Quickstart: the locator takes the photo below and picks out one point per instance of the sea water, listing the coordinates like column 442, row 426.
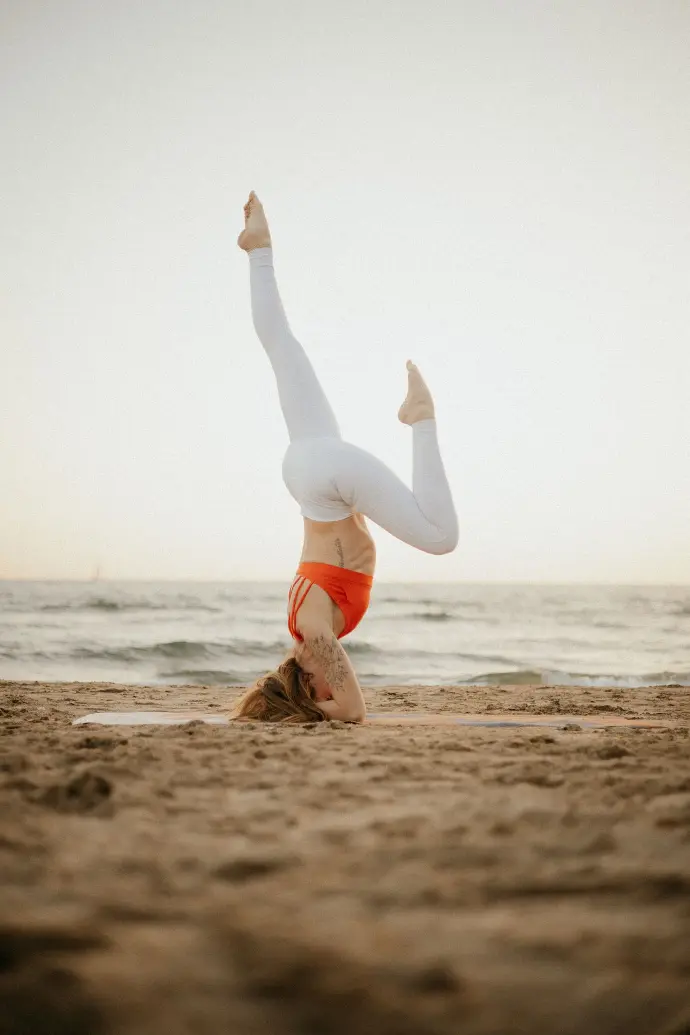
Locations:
column 422, row 633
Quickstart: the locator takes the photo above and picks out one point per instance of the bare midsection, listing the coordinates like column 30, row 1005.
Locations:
column 346, row 544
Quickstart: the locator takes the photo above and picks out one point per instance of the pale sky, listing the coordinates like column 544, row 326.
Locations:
column 498, row 191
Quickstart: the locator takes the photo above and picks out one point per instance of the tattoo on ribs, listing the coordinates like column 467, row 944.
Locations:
column 328, row 653
column 339, row 548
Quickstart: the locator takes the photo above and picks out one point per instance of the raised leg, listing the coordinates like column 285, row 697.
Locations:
column 424, row 517
column 306, row 409
column 330, row 477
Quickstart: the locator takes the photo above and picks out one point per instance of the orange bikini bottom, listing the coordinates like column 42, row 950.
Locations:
column 350, row 590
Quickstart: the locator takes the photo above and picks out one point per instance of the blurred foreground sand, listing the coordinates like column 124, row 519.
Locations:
column 338, row 879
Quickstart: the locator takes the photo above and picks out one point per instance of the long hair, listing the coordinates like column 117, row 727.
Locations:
column 285, row 695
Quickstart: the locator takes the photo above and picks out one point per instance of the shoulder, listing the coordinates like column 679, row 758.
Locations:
column 319, row 639
column 320, row 650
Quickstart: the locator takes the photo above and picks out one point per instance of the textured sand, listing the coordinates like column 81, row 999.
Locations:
column 332, row 879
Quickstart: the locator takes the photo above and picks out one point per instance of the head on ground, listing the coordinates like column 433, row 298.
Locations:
column 284, row 695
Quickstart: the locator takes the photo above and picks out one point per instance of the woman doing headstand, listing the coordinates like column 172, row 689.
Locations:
column 336, row 485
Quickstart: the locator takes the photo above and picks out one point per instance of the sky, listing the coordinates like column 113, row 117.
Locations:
column 498, row 191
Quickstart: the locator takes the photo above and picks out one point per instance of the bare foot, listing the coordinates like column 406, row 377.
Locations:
column 418, row 404
column 255, row 233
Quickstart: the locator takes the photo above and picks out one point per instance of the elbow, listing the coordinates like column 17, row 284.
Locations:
column 340, row 715
column 355, row 713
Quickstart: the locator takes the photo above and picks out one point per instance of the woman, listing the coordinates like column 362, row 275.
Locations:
column 336, row 485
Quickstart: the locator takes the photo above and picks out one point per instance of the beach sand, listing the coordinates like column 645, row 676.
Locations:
column 332, row 879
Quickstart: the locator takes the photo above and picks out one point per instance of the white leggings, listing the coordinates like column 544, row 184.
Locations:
column 332, row 479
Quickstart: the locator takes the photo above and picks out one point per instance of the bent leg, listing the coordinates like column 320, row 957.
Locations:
column 306, row 409
column 424, row 517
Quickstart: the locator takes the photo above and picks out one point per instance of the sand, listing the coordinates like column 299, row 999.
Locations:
column 332, row 879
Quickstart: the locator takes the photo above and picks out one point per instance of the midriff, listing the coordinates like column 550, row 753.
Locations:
column 346, row 544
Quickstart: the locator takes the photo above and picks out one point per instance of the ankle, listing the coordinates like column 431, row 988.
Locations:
column 261, row 256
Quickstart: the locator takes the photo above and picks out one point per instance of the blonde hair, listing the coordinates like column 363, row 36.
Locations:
column 285, row 695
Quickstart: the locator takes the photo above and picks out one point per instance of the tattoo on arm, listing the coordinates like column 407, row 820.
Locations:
column 329, row 654
column 339, row 548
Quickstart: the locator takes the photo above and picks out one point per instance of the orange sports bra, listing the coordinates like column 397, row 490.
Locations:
column 350, row 590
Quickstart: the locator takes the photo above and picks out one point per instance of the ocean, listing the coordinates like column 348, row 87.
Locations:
column 424, row 633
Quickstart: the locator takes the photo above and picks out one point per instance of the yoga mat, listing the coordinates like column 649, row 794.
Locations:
column 384, row 718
